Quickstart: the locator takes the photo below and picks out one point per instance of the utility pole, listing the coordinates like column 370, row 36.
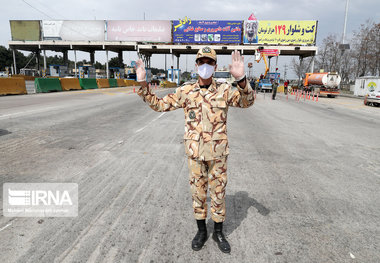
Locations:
column 285, row 71
column 345, row 22
column 343, row 46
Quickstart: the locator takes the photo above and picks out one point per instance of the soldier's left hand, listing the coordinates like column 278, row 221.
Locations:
column 237, row 65
column 140, row 70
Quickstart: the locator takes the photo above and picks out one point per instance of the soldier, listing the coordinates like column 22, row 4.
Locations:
column 274, row 88
column 205, row 104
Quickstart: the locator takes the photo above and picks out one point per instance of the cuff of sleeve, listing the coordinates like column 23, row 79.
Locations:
column 245, row 90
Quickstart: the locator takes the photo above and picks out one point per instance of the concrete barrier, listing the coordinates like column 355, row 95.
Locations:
column 12, row 86
column 70, row 83
column 47, row 84
column 113, row 83
column 88, row 83
column 24, row 77
column 130, row 82
column 103, row 83
column 168, row 84
column 120, row 83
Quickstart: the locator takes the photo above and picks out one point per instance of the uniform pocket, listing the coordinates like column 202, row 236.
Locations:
column 191, row 142
column 220, row 144
column 218, row 111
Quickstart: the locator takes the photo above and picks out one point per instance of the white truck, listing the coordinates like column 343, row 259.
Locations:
column 224, row 76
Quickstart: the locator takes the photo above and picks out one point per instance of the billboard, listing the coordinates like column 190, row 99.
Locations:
column 207, row 31
column 280, row 32
column 73, row 30
column 144, row 31
column 25, row 30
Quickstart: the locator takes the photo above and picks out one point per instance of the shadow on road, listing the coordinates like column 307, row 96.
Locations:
column 4, row 132
column 237, row 206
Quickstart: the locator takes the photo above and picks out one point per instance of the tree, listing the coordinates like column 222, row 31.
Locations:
column 300, row 67
column 114, row 62
column 366, row 43
column 99, row 65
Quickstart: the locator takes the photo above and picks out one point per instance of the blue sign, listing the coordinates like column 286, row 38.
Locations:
column 207, row 31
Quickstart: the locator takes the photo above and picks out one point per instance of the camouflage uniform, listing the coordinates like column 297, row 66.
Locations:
column 205, row 136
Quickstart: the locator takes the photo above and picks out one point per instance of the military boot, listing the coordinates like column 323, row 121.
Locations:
column 201, row 236
column 219, row 238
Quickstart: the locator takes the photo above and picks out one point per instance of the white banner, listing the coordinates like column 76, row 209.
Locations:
column 147, row 31
column 73, row 30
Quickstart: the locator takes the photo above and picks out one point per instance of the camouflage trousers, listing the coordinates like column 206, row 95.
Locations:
column 206, row 175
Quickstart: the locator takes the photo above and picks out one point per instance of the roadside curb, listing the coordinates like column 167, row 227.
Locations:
column 351, row 96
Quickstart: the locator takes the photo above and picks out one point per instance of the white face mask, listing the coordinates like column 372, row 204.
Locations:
column 205, row 71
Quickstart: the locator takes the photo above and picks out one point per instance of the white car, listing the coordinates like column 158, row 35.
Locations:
column 372, row 98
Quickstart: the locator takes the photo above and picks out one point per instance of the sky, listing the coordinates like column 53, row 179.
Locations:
column 330, row 16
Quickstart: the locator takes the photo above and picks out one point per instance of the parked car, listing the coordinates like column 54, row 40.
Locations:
column 372, row 98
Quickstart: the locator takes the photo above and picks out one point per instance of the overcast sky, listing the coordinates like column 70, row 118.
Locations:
column 330, row 16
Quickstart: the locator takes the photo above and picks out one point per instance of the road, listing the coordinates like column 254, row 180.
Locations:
column 303, row 180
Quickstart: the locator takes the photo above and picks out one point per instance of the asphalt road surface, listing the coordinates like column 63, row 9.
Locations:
column 303, row 180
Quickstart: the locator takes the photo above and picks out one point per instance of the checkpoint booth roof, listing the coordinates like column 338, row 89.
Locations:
column 176, row 37
column 183, row 36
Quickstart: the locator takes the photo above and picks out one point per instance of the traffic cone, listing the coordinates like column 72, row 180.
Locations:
column 313, row 95
column 317, row 96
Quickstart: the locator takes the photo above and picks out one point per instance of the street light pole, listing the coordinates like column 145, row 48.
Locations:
column 345, row 22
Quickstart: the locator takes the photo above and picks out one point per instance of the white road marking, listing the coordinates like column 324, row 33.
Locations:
column 4, row 227
column 28, row 112
column 139, row 130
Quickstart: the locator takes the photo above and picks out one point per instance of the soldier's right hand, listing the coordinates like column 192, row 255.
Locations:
column 140, row 70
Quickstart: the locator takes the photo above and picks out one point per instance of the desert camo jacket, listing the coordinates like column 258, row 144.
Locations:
column 205, row 115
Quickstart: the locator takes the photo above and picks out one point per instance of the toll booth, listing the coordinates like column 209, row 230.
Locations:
column 29, row 72
column 117, row 73
column 174, row 75
column 87, row 72
column 58, row 71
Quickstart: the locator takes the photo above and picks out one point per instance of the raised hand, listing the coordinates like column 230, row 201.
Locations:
column 237, row 65
column 140, row 70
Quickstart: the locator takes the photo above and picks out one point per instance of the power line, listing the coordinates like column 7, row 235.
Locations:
column 37, row 9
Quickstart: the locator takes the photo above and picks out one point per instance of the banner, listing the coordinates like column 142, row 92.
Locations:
column 280, row 32
column 25, row 30
column 73, row 30
column 206, row 31
column 144, row 31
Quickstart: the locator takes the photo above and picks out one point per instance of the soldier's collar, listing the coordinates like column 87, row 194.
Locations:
column 212, row 87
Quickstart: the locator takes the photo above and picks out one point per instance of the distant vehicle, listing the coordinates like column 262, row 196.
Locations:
column 372, row 98
column 324, row 84
column 3, row 74
column 132, row 76
column 224, row 76
column 265, row 84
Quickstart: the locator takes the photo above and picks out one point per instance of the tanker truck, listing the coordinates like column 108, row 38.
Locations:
column 324, row 84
